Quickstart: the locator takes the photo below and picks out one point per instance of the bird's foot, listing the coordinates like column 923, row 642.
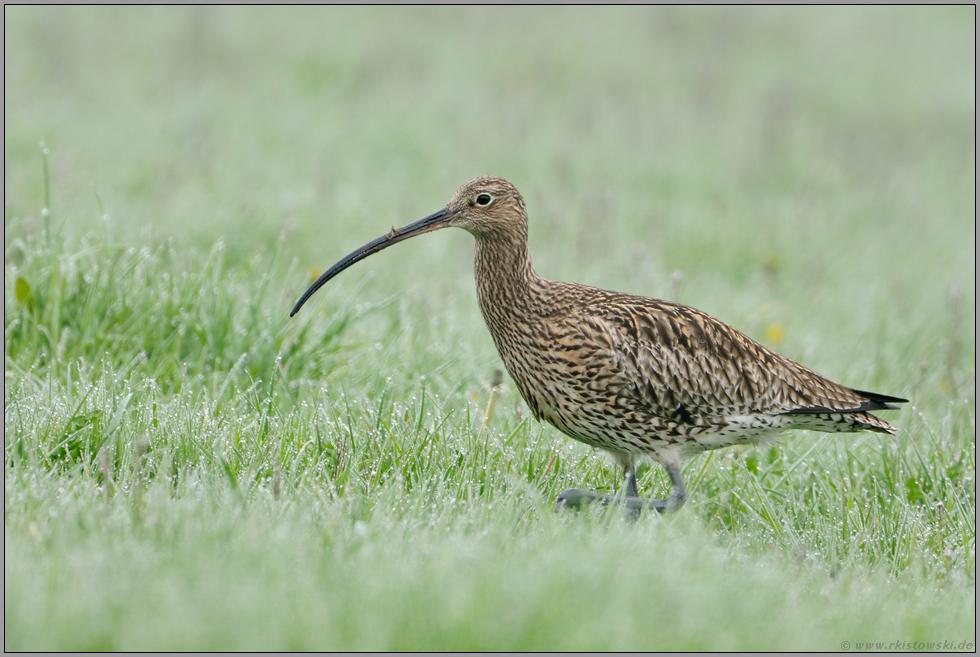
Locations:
column 576, row 498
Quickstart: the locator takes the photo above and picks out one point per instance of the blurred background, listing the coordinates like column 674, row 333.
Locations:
column 726, row 158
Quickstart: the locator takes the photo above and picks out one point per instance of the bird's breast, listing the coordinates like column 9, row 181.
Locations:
column 567, row 378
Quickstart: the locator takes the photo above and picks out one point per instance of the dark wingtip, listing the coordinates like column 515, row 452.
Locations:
column 886, row 401
column 875, row 402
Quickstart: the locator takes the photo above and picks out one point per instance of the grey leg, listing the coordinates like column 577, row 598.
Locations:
column 677, row 496
column 629, row 474
column 575, row 498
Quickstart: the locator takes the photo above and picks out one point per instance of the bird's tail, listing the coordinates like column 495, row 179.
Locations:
column 853, row 418
column 869, row 422
column 834, row 421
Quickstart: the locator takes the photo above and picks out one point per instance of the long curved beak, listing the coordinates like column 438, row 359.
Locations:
column 428, row 224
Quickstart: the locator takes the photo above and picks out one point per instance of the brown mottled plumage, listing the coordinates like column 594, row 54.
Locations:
column 631, row 375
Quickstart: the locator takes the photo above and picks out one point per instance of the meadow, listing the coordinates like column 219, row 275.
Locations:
column 187, row 468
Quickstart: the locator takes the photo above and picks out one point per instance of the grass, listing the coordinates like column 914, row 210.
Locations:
column 186, row 468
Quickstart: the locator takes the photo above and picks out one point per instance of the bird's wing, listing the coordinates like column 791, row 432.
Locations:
column 680, row 363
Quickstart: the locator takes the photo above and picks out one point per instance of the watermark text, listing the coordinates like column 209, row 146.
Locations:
column 908, row 645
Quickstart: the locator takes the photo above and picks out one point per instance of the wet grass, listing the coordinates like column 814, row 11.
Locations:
column 187, row 468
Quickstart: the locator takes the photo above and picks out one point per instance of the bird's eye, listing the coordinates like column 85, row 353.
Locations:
column 483, row 199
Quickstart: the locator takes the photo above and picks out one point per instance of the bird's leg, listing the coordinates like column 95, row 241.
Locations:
column 677, row 496
column 575, row 497
column 629, row 473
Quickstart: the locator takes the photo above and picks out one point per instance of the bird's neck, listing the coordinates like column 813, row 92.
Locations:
column 505, row 280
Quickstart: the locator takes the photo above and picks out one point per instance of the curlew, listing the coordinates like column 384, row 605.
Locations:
column 633, row 376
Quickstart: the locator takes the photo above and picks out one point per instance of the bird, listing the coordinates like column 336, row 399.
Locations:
column 637, row 377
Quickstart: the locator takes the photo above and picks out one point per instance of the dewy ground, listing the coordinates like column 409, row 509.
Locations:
column 186, row 468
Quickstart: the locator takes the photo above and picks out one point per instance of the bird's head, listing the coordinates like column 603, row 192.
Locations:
column 489, row 207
